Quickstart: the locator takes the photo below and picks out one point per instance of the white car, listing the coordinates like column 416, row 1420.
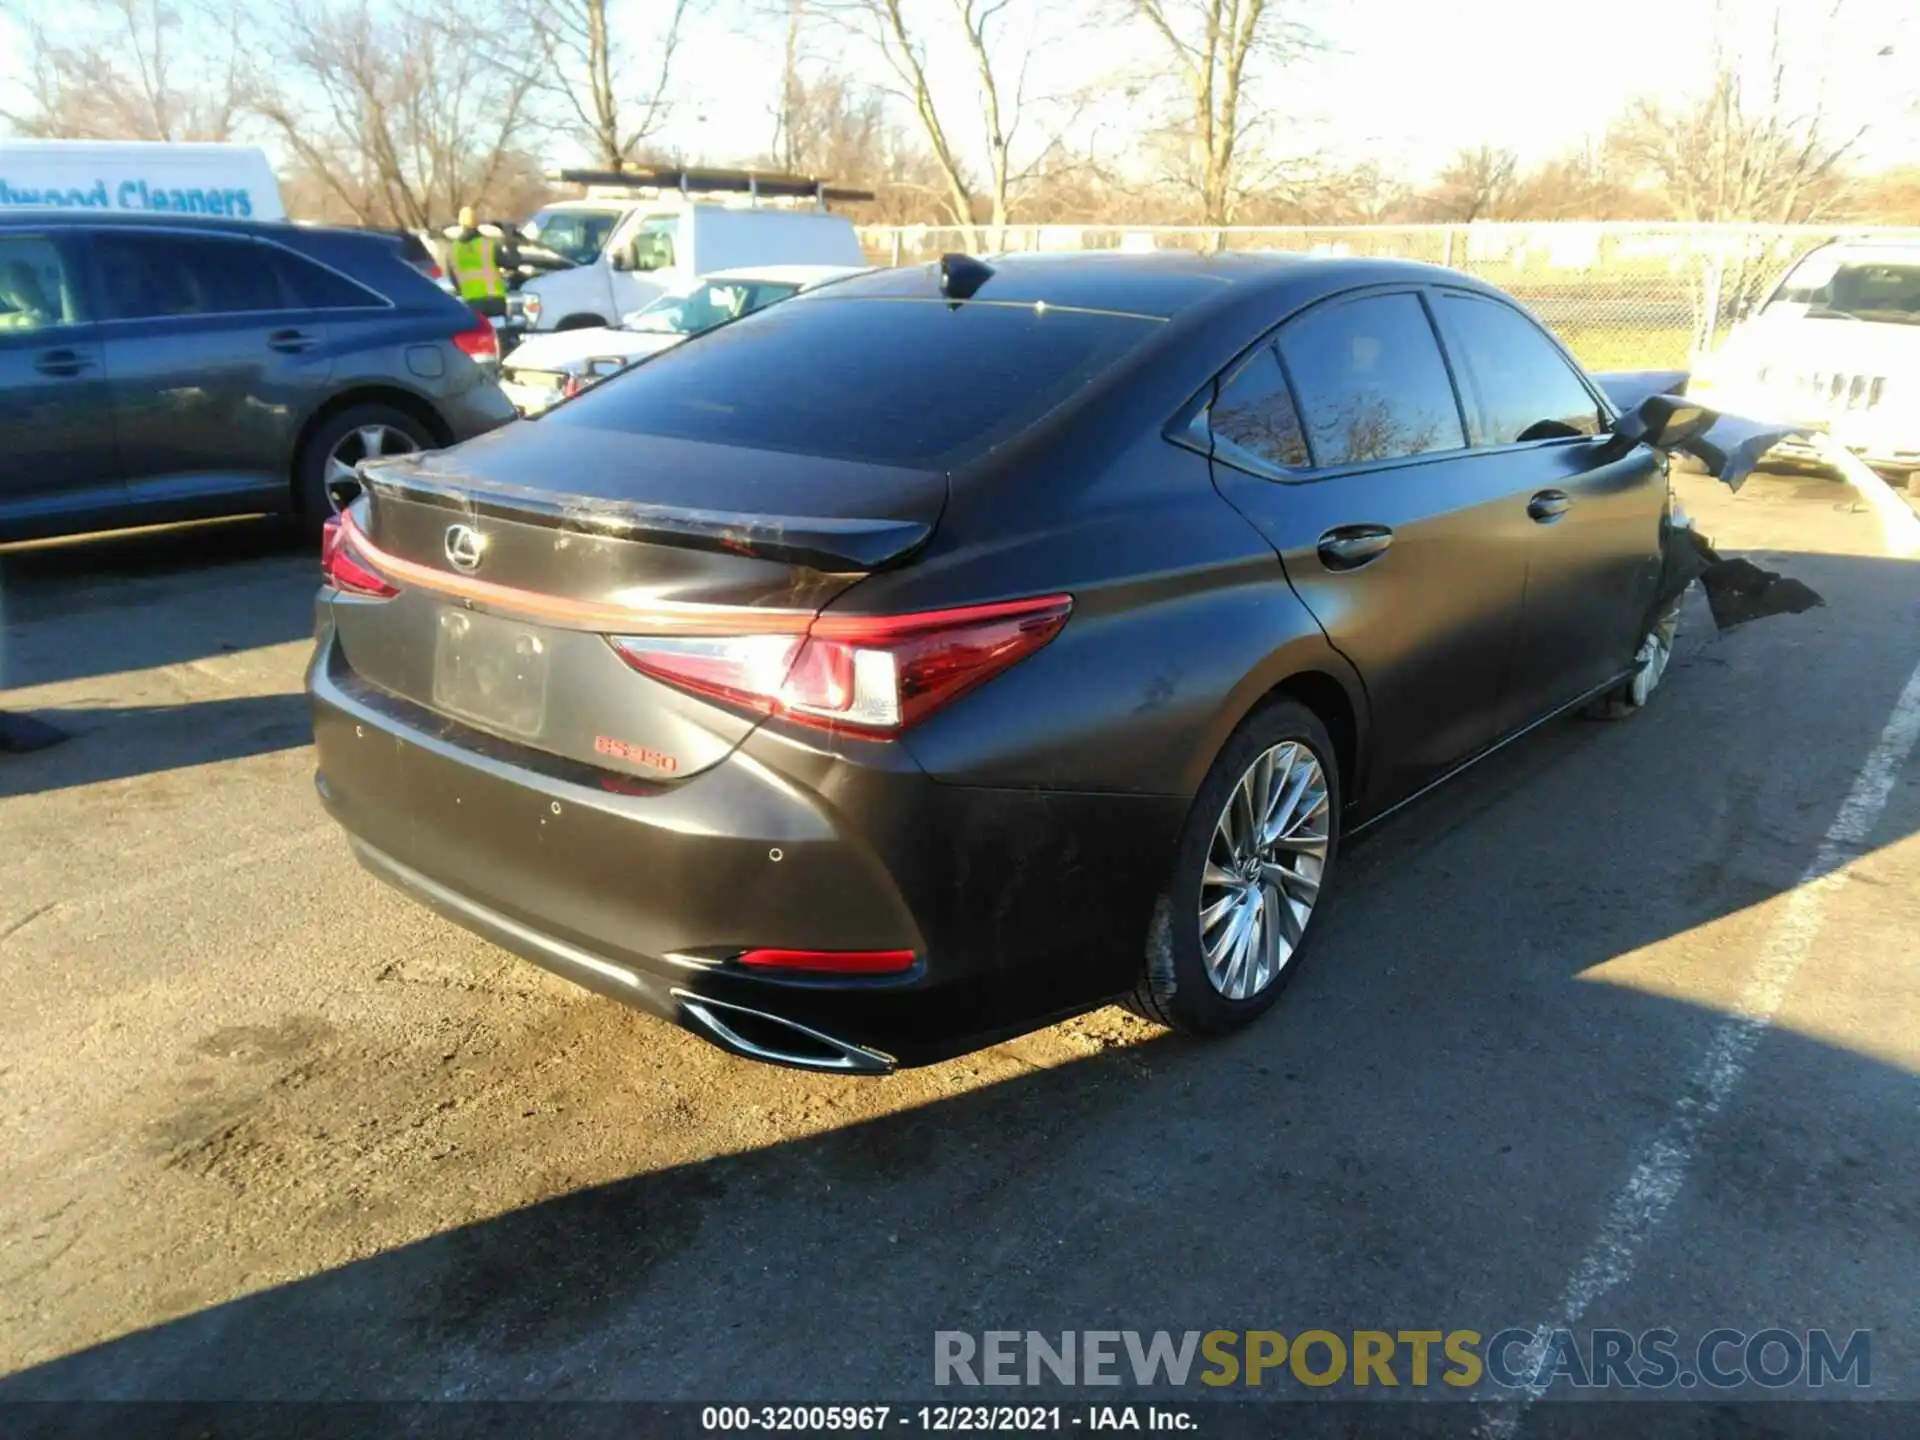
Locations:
column 1835, row 347
column 544, row 369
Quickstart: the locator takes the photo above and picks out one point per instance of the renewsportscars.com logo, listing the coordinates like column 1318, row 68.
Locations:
column 1515, row 1358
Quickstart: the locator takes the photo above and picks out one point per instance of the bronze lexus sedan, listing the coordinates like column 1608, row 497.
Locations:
column 953, row 649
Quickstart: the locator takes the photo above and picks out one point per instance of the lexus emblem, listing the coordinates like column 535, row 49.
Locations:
column 466, row 547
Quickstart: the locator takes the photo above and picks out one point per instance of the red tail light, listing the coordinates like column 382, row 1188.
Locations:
column 344, row 569
column 832, row 962
column 874, row 673
column 572, row 386
column 479, row 343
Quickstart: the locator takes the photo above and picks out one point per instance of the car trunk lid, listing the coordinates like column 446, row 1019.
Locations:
column 511, row 578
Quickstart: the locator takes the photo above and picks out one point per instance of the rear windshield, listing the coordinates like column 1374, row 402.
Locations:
column 889, row 382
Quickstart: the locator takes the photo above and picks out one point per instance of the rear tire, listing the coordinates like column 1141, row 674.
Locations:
column 1231, row 930
column 343, row 440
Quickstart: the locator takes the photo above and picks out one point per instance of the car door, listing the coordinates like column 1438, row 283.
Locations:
column 1344, row 443
column 210, row 362
column 54, row 411
column 1593, row 553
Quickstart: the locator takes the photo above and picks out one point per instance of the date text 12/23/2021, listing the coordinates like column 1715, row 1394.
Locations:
column 943, row 1419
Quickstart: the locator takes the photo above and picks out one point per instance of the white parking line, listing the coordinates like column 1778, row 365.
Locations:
column 1898, row 524
column 1655, row 1181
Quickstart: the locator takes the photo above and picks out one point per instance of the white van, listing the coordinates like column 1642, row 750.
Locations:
column 234, row 181
column 659, row 245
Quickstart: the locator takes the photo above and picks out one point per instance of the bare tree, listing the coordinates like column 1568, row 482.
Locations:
column 831, row 126
column 137, row 70
column 1741, row 151
column 401, row 117
column 1001, row 98
column 585, row 78
column 1477, row 184
column 1218, row 47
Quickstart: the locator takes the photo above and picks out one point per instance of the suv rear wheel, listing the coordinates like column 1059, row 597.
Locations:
column 338, row 444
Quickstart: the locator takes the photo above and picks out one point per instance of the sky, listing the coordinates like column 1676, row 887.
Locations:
column 1411, row 82
column 1404, row 82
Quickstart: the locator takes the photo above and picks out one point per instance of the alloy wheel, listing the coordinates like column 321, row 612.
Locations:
column 366, row 442
column 1263, row 870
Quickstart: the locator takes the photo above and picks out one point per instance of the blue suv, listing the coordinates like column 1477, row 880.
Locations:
column 155, row 370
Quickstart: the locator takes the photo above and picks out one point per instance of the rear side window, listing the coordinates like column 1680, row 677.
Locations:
column 144, row 275
column 1255, row 413
column 36, row 287
column 315, row 287
column 891, row 382
column 1518, row 385
column 1371, row 382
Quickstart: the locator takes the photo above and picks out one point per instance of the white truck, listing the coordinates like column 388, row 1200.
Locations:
column 664, row 238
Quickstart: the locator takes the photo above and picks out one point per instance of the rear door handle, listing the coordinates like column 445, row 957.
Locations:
column 61, row 362
column 1350, row 546
column 1549, row 505
column 290, row 342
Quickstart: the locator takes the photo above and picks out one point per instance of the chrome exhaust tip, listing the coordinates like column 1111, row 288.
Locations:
column 779, row 1041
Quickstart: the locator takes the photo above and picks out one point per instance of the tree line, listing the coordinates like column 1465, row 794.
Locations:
column 398, row 112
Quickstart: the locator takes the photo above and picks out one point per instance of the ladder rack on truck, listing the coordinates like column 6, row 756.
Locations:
column 687, row 183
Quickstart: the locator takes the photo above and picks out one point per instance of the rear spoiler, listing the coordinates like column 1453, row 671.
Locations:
column 836, row 546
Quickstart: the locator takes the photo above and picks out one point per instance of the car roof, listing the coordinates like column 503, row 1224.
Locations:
column 1160, row 285
column 50, row 217
column 801, row 275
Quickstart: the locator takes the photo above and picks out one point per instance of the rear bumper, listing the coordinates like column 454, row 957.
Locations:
column 1020, row 906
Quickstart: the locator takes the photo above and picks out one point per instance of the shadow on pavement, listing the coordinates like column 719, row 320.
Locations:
column 114, row 744
column 1426, row 1133
column 127, row 600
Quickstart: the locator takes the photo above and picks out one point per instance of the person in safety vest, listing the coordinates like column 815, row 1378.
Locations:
column 473, row 257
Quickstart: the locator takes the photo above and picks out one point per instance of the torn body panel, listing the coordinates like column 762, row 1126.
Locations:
column 1627, row 388
column 1731, row 447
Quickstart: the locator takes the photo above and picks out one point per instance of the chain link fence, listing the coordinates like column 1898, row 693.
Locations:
column 1622, row 296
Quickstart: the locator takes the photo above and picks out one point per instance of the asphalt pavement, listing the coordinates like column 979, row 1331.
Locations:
column 271, row 1131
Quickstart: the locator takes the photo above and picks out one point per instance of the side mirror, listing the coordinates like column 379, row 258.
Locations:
column 619, row 260
column 1666, row 422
